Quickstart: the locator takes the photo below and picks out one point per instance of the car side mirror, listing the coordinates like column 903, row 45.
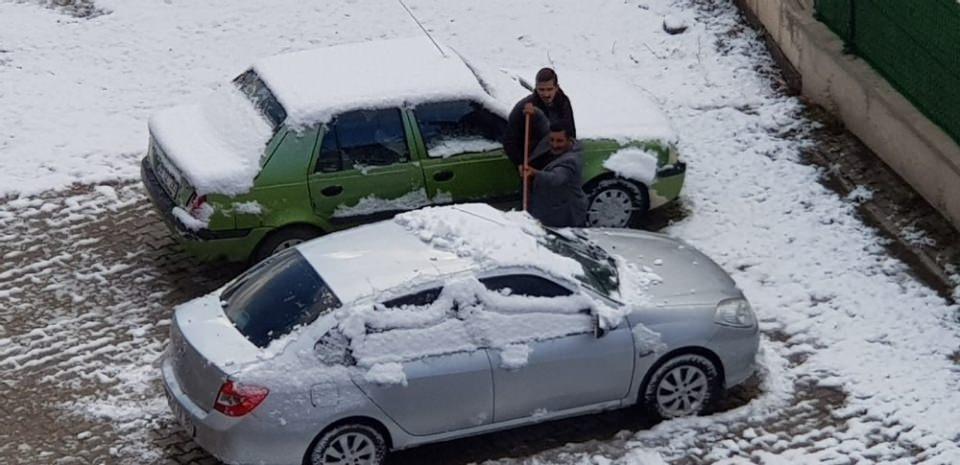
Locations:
column 598, row 330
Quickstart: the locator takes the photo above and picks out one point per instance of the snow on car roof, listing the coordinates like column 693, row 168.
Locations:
column 430, row 244
column 314, row 85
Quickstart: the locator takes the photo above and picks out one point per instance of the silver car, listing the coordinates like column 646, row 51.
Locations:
column 421, row 329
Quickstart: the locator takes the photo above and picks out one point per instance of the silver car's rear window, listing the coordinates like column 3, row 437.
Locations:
column 276, row 296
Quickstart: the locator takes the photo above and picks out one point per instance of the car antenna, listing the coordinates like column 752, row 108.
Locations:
column 435, row 44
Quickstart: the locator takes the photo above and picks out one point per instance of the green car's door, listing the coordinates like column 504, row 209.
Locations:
column 363, row 170
column 461, row 153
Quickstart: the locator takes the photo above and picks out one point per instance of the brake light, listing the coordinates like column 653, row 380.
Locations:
column 196, row 204
column 237, row 400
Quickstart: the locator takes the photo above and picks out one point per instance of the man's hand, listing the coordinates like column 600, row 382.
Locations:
column 527, row 171
column 529, row 109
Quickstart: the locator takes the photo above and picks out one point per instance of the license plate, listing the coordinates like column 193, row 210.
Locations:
column 166, row 179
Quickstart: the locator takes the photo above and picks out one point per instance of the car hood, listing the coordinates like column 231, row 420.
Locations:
column 687, row 275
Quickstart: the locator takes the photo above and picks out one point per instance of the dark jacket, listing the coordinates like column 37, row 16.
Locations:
column 513, row 136
column 539, row 124
column 556, row 194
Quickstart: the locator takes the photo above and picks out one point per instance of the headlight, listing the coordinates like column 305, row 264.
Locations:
column 736, row 313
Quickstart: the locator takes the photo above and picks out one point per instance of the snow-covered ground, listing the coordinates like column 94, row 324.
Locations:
column 840, row 315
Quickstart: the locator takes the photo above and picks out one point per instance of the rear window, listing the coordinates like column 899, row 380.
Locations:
column 276, row 296
column 257, row 91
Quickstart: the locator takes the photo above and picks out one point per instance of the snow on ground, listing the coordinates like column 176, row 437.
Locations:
column 856, row 360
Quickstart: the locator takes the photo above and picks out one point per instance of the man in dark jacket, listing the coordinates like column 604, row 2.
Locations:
column 546, row 105
column 556, row 171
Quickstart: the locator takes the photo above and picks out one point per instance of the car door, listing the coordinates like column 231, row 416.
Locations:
column 463, row 158
column 577, row 370
column 363, row 170
column 444, row 392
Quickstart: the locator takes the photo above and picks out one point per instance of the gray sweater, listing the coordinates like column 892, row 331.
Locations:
column 556, row 194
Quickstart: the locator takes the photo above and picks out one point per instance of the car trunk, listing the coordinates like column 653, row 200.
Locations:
column 206, row 348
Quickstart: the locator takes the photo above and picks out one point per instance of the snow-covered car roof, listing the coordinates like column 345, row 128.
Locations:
column 314, row 85
column 429, row 244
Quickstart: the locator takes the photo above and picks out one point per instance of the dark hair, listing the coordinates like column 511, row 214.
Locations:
column 561, row 126
column 547, row 74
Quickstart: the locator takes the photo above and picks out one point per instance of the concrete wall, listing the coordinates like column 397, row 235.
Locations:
column 918, row 150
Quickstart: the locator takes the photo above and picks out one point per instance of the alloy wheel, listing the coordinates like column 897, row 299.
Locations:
column 682, row 391
column 350, row 448
column 611, row 207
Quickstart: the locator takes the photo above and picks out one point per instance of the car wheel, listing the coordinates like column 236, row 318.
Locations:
column 616, row 203
column 685, row 385
column 352, row 444
column 283, row 239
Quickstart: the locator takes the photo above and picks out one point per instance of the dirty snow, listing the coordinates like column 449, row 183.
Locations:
column 633, row 163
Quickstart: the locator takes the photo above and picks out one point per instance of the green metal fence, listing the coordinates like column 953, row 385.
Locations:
column 915, row 44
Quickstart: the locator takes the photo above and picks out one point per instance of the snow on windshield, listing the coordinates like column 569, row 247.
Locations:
column 217, row 144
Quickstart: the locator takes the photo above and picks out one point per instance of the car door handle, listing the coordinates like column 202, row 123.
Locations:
column 442, row 176
column 332, row 191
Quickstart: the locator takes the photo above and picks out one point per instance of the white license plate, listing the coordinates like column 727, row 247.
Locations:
column 167, row 180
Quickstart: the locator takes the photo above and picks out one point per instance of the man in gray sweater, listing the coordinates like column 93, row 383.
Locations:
column 555, row 172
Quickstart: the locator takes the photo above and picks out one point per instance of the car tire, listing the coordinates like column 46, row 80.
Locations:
column 353, row 444
column 685, row 385
column 282, row 239
column 617, row 203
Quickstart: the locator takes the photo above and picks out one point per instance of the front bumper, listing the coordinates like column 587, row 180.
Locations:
column 737, row 348
column 668, row 183
column 232, row 245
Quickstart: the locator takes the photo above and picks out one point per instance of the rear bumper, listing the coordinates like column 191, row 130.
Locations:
column 232, row 245
column 232, row 440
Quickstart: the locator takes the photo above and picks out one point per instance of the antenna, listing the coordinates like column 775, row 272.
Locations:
column 423, row 28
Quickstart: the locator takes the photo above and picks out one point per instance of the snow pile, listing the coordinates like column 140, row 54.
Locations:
column 633, row 163
column 315, row 85
column 372, row 204
column 449, row 147
column 509, row 239
column 248, row 208
column 194, row 223
column 216, row 145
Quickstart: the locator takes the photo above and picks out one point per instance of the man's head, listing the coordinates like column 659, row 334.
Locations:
column 547, row 86
column 560, row 140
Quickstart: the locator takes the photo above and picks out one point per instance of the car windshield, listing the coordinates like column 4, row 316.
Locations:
column 257, row 91
column 276, row 296
column 600, row 269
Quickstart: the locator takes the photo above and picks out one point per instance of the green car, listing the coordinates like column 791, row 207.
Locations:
column 312, row 142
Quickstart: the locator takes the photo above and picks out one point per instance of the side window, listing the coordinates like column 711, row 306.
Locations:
column 524, row 284
column 334, row 349
column 461, row 126
column 363, row 138
column 421, row 298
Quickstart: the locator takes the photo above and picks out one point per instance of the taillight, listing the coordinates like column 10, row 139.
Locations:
column 196, row 205
column 237, row 400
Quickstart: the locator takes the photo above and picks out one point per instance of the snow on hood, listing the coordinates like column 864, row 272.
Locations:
column 507, row 238
column 217, row 144
column 605, row 107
